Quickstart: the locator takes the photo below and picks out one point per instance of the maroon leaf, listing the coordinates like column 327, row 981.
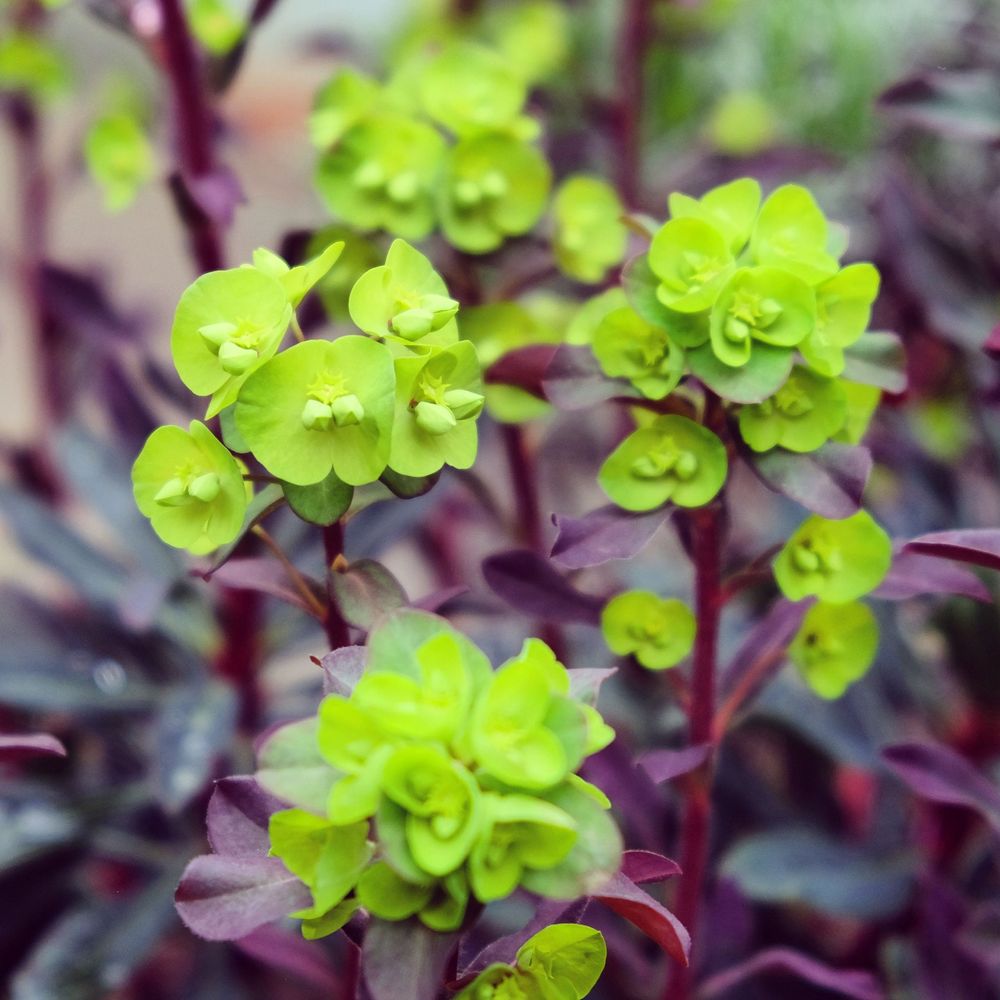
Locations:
column 30, row 745
column 524, row 368
column 290, row 952
column 574, row 380
column 602, row 535
column 913, row 574
column 365, row 591
column 829, row 482
column 653, row 919
column 266, row 576
column 238, row 814
column 437, row 599
column 216, row 193
column 978, row 546
column 665, row 765
column 935, row 772
column 223, row 898
column 528, row 583
column 766, row 641
column 992, row 344
column 405, row 959
column 342, row 669
column 877, row 359
column 959, row 105
column 648, row 866
column 846, row 982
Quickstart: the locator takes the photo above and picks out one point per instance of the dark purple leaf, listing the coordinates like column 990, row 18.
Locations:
column 955, row 104
column 648, row 866
column 549, row 911
column 845, row 982
column 980, row 936
column 877, row 359
column 217, row 194
column 575, row 381
column 82, row 308
column 666, row 765
column 767, row 640
column 290, row 952
column 626, row 899
column 342, row 669
column 437, row 599
column 237, row 817
column 829, row 482
column 913, row 574
column 266, row 576
column 602, row 535
column 30, row 745
column 585, row 682
column 405, row 959
column 524, row 368
column 365, row 591
column 224, row 898
column 992, row 344
column 978, row 546
column 935, row 772
column 528, row 583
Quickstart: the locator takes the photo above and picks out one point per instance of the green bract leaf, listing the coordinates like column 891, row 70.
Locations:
column 730, row 208
column 290, row 766
column 470, row 89
column 791, row 233
column 765, row 305
column 660, row 633
column 215, row 25
column 566, row 960
column 589, row 235
column 493, row 186
column 405, row 299
column 328, row 858
column 692, row 261
column 190, row 487
column 742, row 123
column 341, row 102
column 836, row 561
column 437, row 402
column 321, row 503
column 843, row 309
column 30, row 65
column 518, row 833
column 501, row 982
column 381, row 173
column 587, row 318
column 862, row 402
column 318, row 406
column 119, row 158
column 627, row 346
column 533, row 37
column 802, row 415
column 330, row 922
column 835, row 646
column 640, row 285
column 297, row 281
column 388, row 896
column 227, row 324
column 446, row 909
column 671, row 459
column 759, row 378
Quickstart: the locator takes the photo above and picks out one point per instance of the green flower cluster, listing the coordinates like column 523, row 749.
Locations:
column 836, row 562
column 658, row 632
column 403, row 397
column 446, row 781
column 442, row 143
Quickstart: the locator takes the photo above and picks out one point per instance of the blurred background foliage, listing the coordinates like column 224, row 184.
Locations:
column 155, row 682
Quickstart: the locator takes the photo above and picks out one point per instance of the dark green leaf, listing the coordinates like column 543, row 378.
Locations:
column 321, row 503
column 365, row 591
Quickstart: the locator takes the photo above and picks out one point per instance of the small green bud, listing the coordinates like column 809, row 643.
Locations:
column 736, row 330
column 412, row 324
column 805, row 559
column 442, row 308
column 463, row 403
column 173, row 493
column 494, row 184
column 369, row 176
column 236, row 360
column 403, row 188
column 686, row 466
column 467, row 193
column 434, row 418
column 316, row 416
column 216, row 334
column 205, row 487
column 652, row 466
column 347, row 410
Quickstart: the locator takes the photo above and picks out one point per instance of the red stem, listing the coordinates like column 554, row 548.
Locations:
column 706, row 545
column 632, row 41
column 337, row 633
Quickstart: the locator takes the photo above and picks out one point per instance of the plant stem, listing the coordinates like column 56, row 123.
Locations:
column 193, row 124
column 633, row 39
column 744, row 690
column 297, row 580
column 337, row 633
column 706, row 546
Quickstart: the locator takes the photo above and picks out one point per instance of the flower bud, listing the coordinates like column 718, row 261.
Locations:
column 316, row 416
column 434, row 418
column 685, row 466
column 236, row 360
column 412, row 324
column 369, row 176
column 403, row 188
column 467, row 193
column 441, row 307
column 804, row 559
column 205, row 488
column 494, row 184
column 347, row 410
column 736, row 330
column 172, row 493
column 463, row 403
column 216, row 334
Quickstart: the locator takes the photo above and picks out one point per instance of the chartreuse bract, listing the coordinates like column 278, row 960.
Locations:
column 658, row 632
column 439, row 781
column 835, row 646
column 400, row 395
column 589, row 236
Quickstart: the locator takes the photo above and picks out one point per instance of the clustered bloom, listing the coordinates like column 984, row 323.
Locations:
column 438, row 780
column 658, row 632
column 403, row 396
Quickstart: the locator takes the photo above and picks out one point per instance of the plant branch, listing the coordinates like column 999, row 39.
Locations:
column 744, row 690
column 297, row 580
column 337, row 633
column 633, row 38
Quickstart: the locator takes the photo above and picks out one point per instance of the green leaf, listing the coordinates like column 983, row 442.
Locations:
column 365, row 591
column 321, row 406
column 322, row 503
column 388, row 896
column 862, row 402
column 290, row 766
column 660, row 633
column 791, row 233
column 836, row 561
column 30, row 65
column 566, row 960
column 843, row 309
column 730, row 208
column 330, row 922
column 215, row 25
column 835, row 646
column 640, row 284
column 344, row 100
column 760, row 377
column 533, row 37
column 627, row 346
column 589, row 235
column 119, row 157
column 672, row 458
